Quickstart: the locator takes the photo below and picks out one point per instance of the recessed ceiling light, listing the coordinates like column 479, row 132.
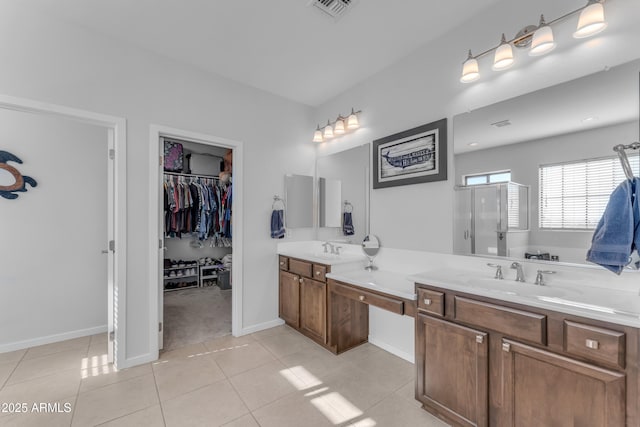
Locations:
column 472, row 144
column 501, row 123
column 589, row 119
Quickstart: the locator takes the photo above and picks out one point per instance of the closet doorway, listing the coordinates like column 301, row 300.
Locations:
column 197, row 213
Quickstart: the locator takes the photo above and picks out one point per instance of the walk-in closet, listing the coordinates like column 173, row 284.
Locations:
column 197, row 189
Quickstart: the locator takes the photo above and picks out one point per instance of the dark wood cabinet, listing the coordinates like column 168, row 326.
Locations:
column 452, row 371
column 303, row 297
column 529, row 366
column 289, row 304
column 313, row 309
column 546, row 389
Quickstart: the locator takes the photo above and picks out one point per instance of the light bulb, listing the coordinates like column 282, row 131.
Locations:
column 338, row 129
column 328, row 131
column 591, row 20
column 352, row 121
column 470, row 71
column 542, row 41
column 503, row 58
column 317, row 135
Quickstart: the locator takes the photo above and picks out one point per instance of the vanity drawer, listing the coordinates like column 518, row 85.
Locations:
column 303, row 268
column 509, row 321
column 597, row 344
column 319, row 271
column 359, row 294
column 431, row 301
column 284, row 263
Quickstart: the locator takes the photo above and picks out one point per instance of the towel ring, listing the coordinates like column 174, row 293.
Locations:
column 277, row 199
column 348, row 207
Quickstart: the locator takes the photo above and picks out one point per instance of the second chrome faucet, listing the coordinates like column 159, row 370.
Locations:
column 519, row 273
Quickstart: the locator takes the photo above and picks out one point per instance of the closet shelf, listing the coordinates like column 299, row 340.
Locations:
column 181, row 277
column 180, row 268
column 181, row 288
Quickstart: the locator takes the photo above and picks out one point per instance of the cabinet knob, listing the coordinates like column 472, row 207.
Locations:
column 281, row 262
column 479, row 339
column 317, row 273
column 301, row 280
column 361, row 297
column 506, row 347
column 593, row 344
column 427, row 301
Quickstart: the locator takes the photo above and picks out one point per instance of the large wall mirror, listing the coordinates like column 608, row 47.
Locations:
column 558, row 144
column 343, row 186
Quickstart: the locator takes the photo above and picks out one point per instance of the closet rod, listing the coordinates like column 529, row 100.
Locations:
column 191, row 175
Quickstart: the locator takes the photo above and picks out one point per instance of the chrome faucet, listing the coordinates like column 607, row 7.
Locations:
column 519, row 273
column 325, row 244
column 540, row 278
column 498, row 270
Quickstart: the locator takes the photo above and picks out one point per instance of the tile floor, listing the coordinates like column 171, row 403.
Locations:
column 275, row 377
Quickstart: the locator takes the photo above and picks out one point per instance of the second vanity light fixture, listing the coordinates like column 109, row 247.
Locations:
column 539, row 38
column 340, row 126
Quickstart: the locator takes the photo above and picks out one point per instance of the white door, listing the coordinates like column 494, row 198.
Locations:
column 160, row 246
column 111, row 246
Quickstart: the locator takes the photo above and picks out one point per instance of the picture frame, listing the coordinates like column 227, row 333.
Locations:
column 411, row 157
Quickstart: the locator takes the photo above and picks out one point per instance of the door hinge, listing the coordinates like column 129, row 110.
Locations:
column 112, row 153
column 161, row 160
column 160, row 245
column 159, row 326
column 112, row 336
column 112, row 245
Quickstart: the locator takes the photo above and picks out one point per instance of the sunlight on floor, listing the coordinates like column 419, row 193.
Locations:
column 367, row 422
column 300, row 378
column 336, row 408
column 97, row 365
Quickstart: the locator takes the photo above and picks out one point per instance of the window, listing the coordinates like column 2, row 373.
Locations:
column 487, row 178
column 574, row 195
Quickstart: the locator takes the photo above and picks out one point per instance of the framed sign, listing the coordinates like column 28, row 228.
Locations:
column 411, row 157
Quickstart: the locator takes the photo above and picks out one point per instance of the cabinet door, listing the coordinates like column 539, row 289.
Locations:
column 452, row 371
column 313, row 309
column 545, row 389
column 289, row 306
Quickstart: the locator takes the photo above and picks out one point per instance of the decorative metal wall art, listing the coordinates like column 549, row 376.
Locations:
column 8, row 191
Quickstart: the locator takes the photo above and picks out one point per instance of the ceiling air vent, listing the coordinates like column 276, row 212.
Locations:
column 501, row 123
column 333, row 8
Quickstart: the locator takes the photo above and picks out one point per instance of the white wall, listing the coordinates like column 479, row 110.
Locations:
column 53, row 279
column 524, row 160
column 59, row 63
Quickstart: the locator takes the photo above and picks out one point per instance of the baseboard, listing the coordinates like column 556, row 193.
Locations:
column 393, row 350
column 20, row 345
column 261, row 326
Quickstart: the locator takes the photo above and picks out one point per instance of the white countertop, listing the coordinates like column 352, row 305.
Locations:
column 615, row 306
column 322, row 258
column 387, row 282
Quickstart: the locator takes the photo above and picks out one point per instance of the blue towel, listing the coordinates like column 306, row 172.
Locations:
column 277, row 224
column 347, row 224
column 618, row 232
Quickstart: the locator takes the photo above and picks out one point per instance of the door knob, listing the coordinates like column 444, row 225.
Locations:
column 361, row 297
column 427, row 301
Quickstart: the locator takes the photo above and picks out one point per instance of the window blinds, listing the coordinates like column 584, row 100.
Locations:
column 574, row 195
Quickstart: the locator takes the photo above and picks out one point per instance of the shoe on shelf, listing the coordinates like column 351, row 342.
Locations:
column 172, row 274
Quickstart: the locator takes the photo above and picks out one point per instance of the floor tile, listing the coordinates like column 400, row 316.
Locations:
column 315, row 360
column 12, row 356
column 149, row 417
column 99, row 338
column 47, row 365
column 408, row 392
column 178, row 376
column 355, row 355
column 286, row 343
column 244, row 421
column 115, row 400
column 43, row 389
column 5, row 370
column 94, row 379
column 356, row 387
column 213, row 405
column 265, row 384
column 396, row 411
column 228, row 343
column 81, row 343
column 242, row 358
column 98, row 349
column 184, row 352
column 293, row 410
column 390, row 371
column 57, row 414
column 282, row 329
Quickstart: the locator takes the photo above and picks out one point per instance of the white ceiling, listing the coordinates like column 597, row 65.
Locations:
column 279, row 46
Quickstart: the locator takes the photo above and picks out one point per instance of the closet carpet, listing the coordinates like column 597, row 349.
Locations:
column 196, row 315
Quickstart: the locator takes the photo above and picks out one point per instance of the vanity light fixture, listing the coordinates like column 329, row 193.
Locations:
column 340, row 126
column 539, row 39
